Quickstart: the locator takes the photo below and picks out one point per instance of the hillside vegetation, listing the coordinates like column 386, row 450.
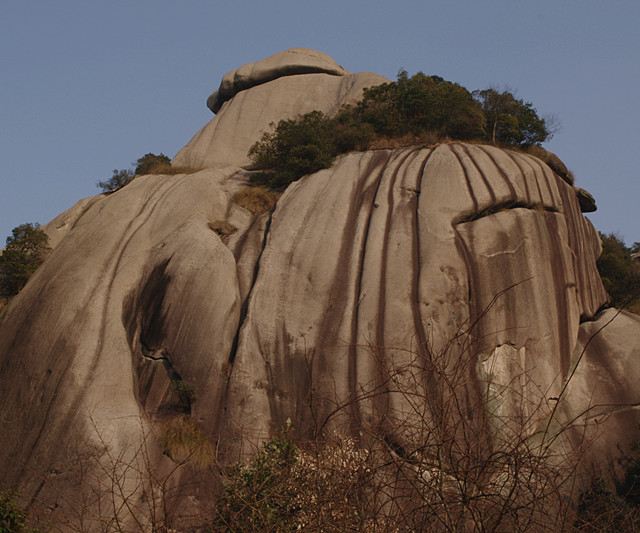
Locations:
column 411, row 110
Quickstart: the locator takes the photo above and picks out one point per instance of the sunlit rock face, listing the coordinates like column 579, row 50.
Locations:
column 375, row 291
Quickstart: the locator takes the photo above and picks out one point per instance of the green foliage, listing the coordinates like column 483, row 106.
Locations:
column 255, row 496
column 619, row 271
column 510, row 121
column 418, row 108
column 420, row 104
column 119, row 179
column 12, row 517
column 301, row 146
column 26, row 249
column 151, row 163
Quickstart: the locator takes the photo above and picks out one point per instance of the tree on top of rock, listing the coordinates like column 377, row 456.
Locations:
column 510, row 121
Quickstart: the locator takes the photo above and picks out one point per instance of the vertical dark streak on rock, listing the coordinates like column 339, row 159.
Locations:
column 560, row 290
column 355, row 320
column 423, row 348
column 535, row 177
column 538, row 163
column 244, row 309
column 513, row 158
column 575, row 245
column 467, row 152
column 467, row 181
column 472, row 348
column 508, row 182
column 222, row 395
column 381, row 401
column 337, row 302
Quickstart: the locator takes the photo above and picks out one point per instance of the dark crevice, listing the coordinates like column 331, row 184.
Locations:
column 183, row 397
column 584, row 317
column 503, row 206
column 244, row 310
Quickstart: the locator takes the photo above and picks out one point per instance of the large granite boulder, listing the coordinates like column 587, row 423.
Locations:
column 253, row 97
column 402, row 263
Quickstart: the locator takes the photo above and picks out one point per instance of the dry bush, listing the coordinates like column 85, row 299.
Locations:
column 255, row 199
column 223, row 228
column 182, row 440
column 408, row 139
column 168, row 169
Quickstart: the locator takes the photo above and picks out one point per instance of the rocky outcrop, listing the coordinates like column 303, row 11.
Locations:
column 346, row 308
column 288, row 63
column 255, row 96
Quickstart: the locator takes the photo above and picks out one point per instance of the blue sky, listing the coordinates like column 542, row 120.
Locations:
column 88, row 86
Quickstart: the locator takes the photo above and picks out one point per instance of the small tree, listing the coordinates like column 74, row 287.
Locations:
column 151, row 163
column 119, row 179
column 510, row 121
column 420, row 104
column 26, row 249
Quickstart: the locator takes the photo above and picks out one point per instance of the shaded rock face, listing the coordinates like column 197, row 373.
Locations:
column 367, row 285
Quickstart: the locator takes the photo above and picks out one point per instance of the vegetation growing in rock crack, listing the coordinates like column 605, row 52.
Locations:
column 26, row 249
column 419, row 109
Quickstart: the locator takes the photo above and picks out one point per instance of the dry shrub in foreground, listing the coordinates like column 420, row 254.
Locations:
column 434, row 462
column 255, row 199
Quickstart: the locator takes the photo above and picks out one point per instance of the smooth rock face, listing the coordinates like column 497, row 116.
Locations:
column 384, row 273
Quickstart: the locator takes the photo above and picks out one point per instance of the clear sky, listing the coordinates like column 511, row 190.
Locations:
column 91, row 85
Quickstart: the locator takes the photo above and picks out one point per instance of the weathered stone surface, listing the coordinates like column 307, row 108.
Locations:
column 288, row 63
column 382, row 273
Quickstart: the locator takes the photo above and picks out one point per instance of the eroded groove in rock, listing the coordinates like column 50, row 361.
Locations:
column 470, row 189
column 485, row 150
column 245, row 304
column 476, row 167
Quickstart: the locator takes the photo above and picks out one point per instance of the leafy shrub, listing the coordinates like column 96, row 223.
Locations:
column 26, row 249
column 257, row 496
column 12, row 518
column 510, row 121
column 119, row 179
column 257, row 200
column 420, row 104
column 620, row 272
column 305, row 145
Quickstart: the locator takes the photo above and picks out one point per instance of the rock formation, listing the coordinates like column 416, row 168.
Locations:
column 143, row 314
